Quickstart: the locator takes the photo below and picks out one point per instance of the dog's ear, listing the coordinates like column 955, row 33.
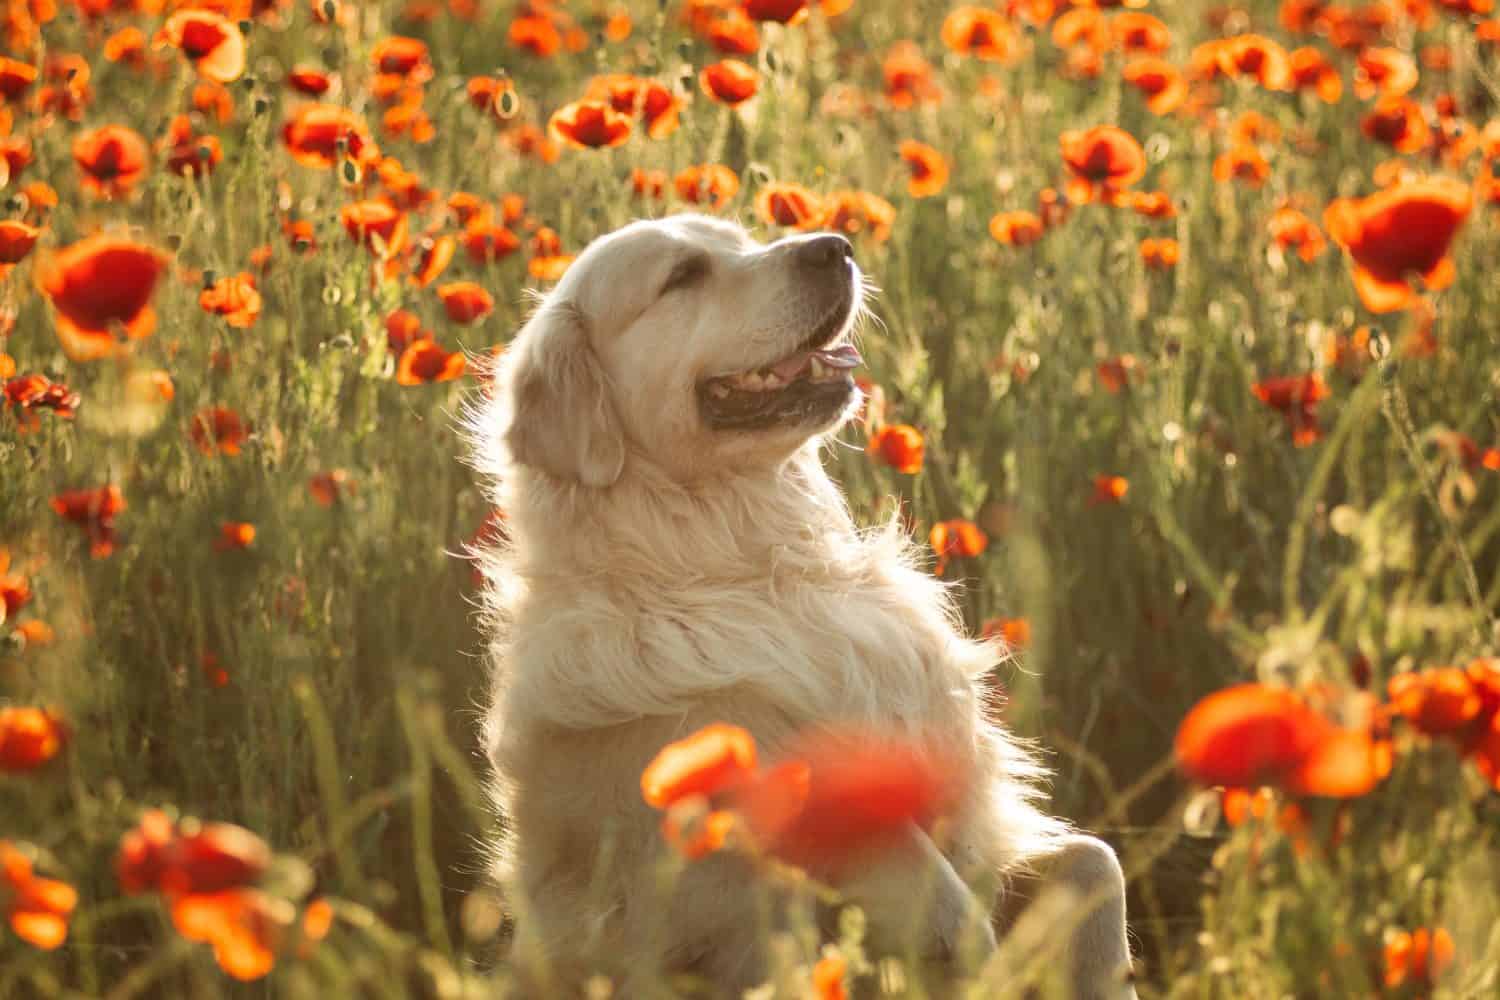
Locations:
column 561, row 419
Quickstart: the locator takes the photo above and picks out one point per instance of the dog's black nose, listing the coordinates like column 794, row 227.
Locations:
column 824, row 251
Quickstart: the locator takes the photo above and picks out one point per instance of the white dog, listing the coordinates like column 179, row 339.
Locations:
column 679, row 557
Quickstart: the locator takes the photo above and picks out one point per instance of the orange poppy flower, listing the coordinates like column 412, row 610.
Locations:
column 908, row 77
column 113, row 159
column 708, row 762
column 956, row 539
column 16, row 78
column 1438, row 702
column 789, row 205
column 94, row 511
column 37, row 909
column 97, row 285
column 214, row 101
column 1017, row 229
column 648, row 183
column 318, row 135
column 423, row 362
column 898, row 445
column 982, row 33
column 486, row 242
column 465, row 301
column 730, row 34
column 1397, row 233
column 328, row 488
column 1311, row 70
column 1384, row 72
column 29, row 738
column 402, row 56
column 589, row 125
column 1115, row 374
column 1103, row 160
column 1295, row 397
column 37, row 392
column 1137, row 32
column 1081, row 26
column 928, row 167
column 1160, row 253
column 1242, row 163
column 309, row 80
column 1250, row 735
column 218, row 430
column 246, row 927
column 1397, row 122
column 653, row 103
column 433, row 257
column 376, row 224
column 1292, row 230
column 729, row 81
column 780, row 11
column 188, row 857
column 1014, row 632
column 210, row 41
column 855, row 212
column 535, row 34
column 1255, row 57
column 235, row 298
column 1162, row 84
column 1420, row 957
column 16, row 241
column 188, row 154
column 1108, row 490
column 711, row 184
column 17, row 151
column 234, row 535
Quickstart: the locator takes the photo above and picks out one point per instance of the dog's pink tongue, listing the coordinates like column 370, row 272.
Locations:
column 791, row 367
column 843, row 356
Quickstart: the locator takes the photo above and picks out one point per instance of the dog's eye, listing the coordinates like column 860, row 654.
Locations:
column 688, row 272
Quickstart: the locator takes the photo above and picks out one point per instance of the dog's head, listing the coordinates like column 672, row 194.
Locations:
column 684, row 340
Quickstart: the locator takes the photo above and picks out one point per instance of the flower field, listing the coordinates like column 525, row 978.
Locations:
column 1184, row 363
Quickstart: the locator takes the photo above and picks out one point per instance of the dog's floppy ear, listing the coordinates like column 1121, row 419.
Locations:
column 561, row 419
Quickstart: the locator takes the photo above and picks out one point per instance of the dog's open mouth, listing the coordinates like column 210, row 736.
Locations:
column 812, row 383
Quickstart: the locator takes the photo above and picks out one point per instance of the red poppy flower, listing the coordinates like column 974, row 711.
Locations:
column 908, row 77
column 1384, row 72
column 328, row 488
column 218, row 430
column 1108, row 490
column 1293, row 230
column 1017, row 229
column 235, row 298
column 209, row 40
column 16, row 78
column 1103, row 160
column 94, row 511
column 1160, row 253
column 980, row 32
column 711, row 184
column 1311, row 70
column 29, row 738
column 1438, row 702
column 188, row 857
column 113, row 160
column 928, row 167
column 1420, row 957
column 780, row 11
column 1255, row 57
column 536, row 34
column 898, row 445
column 1398, row 122
column 956, row 539
column 1252, row 734
column 1242, row 163
column 648, row 183
column 709, row 761
column 423, row 362
column 37, row 392
column 188, row 154
column 1138, row 32
column 1115, row 374
column 402, row 56
column 374, row 218
column 1397, row 233
column 791, row 205
column 1162, row 84
column 486, row 242
column 432, row 259
column 589, row 125
column 98, row 285
column 1015, row 633
column 37, row 909
column 247, row 928
column 729, row 81
column 655, row 105
column 1295, row 397
column 309, row 80
column 16, row 241
column 317, row 135
column 235, row 535
column 465, row 301
column 855, row 213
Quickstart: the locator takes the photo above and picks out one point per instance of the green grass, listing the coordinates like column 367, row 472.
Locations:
column 346, row 734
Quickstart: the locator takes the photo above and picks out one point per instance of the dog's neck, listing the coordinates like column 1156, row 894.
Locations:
column 651, row 527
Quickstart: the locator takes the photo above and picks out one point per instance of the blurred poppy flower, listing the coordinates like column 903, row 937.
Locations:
column 855, row 212
column 188, row 857
column 1419, row 957
column 328, row 488
column 376, row 224
column 548, row 262
column 1437, row 702
column 1137, row 32
column 711, row 184
column 1115, row 374
column 980, row 32
column 402, row 56
column 1160, row 253
column 1295, row 397
column 957, row 539
column 309, row 80
column 16, row 78
column 218, row 430
column 318, row 135
column 908, row 77
column 433, row 255
column 1243, row 163
column 780, row 11
column 656, row 106
column 1292, row 230
column 486, row 242
column 1250, row 735
column 898, row 445
column 99, row 285
column 29, row 738
column 1311, row 70
column 928, row 168
column 465, row 301
column 37, row 909
column 188, row 154
column 93, row 510
column 1383, row 72
column 1017, row 229
column 535, row 34
column 112, row 159
column 784, row 204
column 235, row 298
column 707, row 762
column 16, row 241
column 1397, row 122
column 1162, row 84
column 423, row 362
column 1103, row 160
column 1108, row 490
column 1255, row 57
column 528, row 140
column 589, row 125
column 729, row 81
column 234, row 535
column 1399, row 233
column 1467, row 452
column 246, row 927
column 29, row 393
column 213, row 101
column 209, row 40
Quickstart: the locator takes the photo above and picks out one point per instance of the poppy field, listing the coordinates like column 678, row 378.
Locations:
column 1183, row 363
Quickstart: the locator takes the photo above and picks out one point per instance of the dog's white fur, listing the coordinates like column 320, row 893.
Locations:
column 662, row 575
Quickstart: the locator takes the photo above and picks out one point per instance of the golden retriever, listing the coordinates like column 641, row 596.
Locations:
column 678, row 556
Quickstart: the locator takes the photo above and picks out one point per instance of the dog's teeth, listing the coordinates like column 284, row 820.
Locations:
column 773, row 381
column 753, row 382
column 815, row 368
column 718, row 389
